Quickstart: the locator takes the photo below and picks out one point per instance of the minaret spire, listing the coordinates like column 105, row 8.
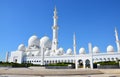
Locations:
column 74, row 44
column 55, row 31
column 116, row 34
column 90, row 48
column 55, row 17
column 117, row 40
column 7, row 56
column 74, row 47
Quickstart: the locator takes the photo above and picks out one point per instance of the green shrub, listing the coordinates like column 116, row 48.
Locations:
column 107, row 63
column 7, row 64
column 60, row 64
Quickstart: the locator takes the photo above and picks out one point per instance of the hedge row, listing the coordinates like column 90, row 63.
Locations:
column 60, row 64
column 7, row 64
column 107, row 63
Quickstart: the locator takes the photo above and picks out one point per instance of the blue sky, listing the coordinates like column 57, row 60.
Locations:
column 92, row 21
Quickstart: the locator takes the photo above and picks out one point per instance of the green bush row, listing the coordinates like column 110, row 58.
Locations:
column 7, row 64
column 60, row 64
column 107, row 63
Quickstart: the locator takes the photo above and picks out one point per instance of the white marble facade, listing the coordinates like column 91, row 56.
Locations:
column 44, row 51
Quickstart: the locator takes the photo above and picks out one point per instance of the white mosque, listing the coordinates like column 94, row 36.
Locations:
column 44, row 51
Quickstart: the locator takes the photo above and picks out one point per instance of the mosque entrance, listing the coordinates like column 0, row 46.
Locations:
column 15, row 60
column 80, row 63
column 87, row 63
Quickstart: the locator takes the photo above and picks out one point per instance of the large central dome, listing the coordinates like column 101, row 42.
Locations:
column 45, row 41
column 33, row 41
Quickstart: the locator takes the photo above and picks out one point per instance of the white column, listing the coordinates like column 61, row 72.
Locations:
column 91, row 61
column 76, row 64
column 42, row 55
column 84, row 64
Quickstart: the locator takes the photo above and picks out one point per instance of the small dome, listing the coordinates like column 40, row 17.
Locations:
column 110, row 48
column 96, row 49
column 61, row 50
column 45, row 41
column 69, row 52
column 47, row 53
column 33, row 41
column 21, row 47
column 82, row 51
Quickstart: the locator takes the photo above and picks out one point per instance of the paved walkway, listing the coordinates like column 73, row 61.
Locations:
column 99, row 75
column 47, row 72
column 41, row 72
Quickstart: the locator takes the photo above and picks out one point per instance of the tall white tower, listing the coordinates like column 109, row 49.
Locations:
column 74, row 44
column 74, row 47
column 55, row 31
column 90, row 48
column 7, row 56
column 117, row 40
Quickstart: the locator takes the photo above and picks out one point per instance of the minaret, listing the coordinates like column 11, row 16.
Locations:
column 117, row 40
column 74, row 47
column 90, row 48
column 74, row 44
column 90, row 52
column 55, row 31
column 7, row 56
